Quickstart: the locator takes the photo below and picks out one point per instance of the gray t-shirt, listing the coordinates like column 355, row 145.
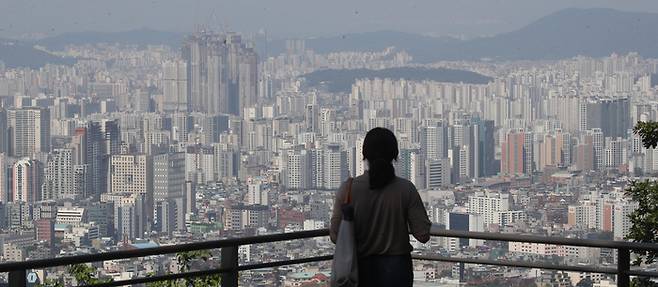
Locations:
column 383, row 218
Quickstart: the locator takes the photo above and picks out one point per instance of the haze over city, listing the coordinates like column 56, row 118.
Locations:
column 289, row 18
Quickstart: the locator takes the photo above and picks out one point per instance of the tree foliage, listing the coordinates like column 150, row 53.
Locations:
column 88, row 275
column 648, row 132
column 84, row 275
column 643, row 282
column 644, row 219
column 185, row 260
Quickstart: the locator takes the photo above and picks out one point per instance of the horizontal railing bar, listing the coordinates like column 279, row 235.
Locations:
column 538, row 265
column 512, row 237
column 642, row 273
column 215, row 244
column 211, row 271
column 285, row 262
column 124, row 254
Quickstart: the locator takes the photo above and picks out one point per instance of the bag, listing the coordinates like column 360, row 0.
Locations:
column 344, row 268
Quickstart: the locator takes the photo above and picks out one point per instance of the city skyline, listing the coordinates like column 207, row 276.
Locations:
column 135, row 146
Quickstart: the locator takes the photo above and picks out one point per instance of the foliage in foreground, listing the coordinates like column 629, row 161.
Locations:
column 644, row 219
column 185, row 260
column 84, row 275
column 87, row 274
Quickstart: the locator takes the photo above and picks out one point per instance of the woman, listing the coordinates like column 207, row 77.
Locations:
column 386, row 209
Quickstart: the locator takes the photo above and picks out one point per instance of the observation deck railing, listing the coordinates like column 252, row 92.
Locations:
column 229, row 266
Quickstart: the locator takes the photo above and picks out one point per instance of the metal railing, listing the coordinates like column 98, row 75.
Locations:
column 623, row 270
column 229, row 266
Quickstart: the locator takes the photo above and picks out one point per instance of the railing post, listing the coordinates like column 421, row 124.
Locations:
column 229, row 260
column 18, row 278
column 623, row 266
column 461, row 272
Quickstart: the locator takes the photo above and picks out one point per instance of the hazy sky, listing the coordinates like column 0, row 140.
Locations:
column 289, row 18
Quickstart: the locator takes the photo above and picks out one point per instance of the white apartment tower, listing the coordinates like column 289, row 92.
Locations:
column 26, row 181
column 59, row 176
column 174, row 81
column 488, row 204
column 29, row 129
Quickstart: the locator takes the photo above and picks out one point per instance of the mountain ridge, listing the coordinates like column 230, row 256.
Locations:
column 594, row 32
column 140, row 37
column 566, row 33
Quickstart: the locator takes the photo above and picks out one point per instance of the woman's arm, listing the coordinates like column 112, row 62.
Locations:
column 337, row 213
column 419, row 222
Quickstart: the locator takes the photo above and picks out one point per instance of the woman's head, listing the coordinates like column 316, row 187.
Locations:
column 380, row 148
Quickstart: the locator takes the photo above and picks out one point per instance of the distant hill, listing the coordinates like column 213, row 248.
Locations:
column 566, row 33
column 572, row 32
column 342, row 80
column 371, row 41
column 141, row 37
column 20, row 54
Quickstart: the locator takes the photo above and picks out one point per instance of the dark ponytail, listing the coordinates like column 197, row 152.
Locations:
column 380, row 148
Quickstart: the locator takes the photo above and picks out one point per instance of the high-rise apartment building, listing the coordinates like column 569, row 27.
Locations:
column 200, row 164
column 131, row 174
column 180, row 126
column 93, row 145
column 168, row 176
column 433, row 141
column 26, row 180
column 174, row 86
column 5, row 195
column 168, row 191
column 257, row 195
column 514, row 154
column 437, row 172
column 334, row 166
column 222, row 73
column 489, row 204
column 611, row 115
column 297, row 169
column 462, row 221
column 615, row 152
column 4, row 134
column 29, row 131
column 485, row 154
column 598, row 145
column 585, row 155
column 59, row 181
column 131, row 215
column 213, row 126
column 403, row 166
column 583, row 215
column 621, row 221
column 548, row 152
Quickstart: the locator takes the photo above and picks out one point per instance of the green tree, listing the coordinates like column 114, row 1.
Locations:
column 185, row 260
column 645, row 218
column 84, row 275
column 87, row 274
